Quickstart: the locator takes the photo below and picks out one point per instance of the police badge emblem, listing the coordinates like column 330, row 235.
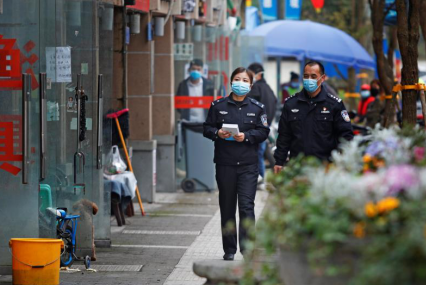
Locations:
column 264, row 120
column 345, row 116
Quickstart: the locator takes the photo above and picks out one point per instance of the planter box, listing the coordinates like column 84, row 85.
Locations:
column 294, row 268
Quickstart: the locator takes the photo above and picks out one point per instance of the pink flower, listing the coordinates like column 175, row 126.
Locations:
column 419, row 153
column 400, row 178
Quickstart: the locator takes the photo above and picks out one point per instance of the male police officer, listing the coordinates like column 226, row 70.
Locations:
column 312, row 121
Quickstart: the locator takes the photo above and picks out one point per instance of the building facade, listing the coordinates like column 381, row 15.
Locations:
column 56, row 58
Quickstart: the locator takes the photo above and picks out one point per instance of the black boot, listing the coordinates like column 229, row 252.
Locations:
column 228, row 256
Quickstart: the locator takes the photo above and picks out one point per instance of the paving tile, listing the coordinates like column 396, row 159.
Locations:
column 206, row 246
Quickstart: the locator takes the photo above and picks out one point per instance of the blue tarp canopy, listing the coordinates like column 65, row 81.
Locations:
column 310, row 40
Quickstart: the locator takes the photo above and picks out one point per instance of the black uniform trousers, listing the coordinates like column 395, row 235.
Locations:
column 236, row 184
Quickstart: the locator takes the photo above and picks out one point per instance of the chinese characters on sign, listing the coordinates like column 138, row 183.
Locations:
column 58, row 64
column 10, row 142
column 12, row 61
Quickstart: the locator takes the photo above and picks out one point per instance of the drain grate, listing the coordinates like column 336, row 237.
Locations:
column 141, row 232
column 112, row 268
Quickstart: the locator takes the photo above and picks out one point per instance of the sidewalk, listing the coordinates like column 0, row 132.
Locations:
column 161, row 247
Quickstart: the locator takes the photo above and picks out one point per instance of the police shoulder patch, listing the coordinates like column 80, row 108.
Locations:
column 345, row 116
column 218, row 101
column 289, row 98
column 334, row 97
column 264, row 120
column 257, row 103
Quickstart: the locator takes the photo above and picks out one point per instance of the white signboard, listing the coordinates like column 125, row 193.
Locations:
column 58, row 64
column 184, row 51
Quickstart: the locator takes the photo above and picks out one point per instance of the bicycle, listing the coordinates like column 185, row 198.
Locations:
column 66, row 230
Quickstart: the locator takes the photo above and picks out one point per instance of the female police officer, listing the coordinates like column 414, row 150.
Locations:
column 236, row 156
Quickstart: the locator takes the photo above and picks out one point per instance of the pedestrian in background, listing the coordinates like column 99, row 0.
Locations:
column 290, row 88
column 364, row 103
column 264, row 94
column 195, row 86
column 312, row 121
column 375, row 109
column 236, row 156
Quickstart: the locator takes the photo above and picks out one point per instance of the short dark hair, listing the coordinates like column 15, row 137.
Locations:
column 256, row 67
column 314, row 62
column 242, row 70
column 197, row 62
column 294, row 76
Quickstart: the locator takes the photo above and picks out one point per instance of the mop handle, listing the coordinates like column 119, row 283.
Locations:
column 129, row 163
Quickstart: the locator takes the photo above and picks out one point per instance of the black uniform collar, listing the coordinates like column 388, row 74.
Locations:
column 244, row 102
column 261, row 80
column 320, row 97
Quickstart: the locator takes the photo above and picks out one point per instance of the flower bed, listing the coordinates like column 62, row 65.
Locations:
column 372, row 199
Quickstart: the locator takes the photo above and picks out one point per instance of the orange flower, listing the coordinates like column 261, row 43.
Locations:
column 387, row 204
column 359, row 230
column 380, row 163
column 370, row 210
column 366, row 158
column 366, row 168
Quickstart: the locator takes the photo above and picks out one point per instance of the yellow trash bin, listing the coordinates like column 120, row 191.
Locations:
column 35, row 261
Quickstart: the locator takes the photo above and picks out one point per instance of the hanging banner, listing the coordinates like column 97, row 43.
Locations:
column 293, row 8
column 189, row 102
column 252, row 18
column 269, row 10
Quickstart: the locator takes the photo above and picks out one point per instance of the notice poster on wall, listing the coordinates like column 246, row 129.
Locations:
column 58, row 64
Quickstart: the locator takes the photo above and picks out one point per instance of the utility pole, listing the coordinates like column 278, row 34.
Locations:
column 281, row 8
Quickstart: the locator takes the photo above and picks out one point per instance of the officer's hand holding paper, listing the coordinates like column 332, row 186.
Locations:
column 234, row 132
column 231, row 128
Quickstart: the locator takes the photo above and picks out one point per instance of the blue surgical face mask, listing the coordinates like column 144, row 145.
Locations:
column 295, row 85
column 240, row 88
column 365, row 94
column 311, row 85
column 195, row 74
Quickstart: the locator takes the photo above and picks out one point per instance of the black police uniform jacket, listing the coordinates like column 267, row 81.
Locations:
column 264, row 94
column 251, row 120
column 311, row 126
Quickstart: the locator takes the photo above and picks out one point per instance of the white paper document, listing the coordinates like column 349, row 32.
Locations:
column 232, row 128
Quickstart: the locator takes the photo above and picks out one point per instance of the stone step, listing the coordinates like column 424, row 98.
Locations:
column 219, row 271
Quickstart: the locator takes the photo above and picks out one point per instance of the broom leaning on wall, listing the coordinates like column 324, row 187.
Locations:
column 124, row 118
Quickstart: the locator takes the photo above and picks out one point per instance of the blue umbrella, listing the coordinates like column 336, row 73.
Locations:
column 306, row 39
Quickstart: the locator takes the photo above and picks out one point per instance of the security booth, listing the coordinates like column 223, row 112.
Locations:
column 54, row 83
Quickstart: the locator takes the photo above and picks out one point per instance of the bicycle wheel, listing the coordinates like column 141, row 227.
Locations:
column 67, row 257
